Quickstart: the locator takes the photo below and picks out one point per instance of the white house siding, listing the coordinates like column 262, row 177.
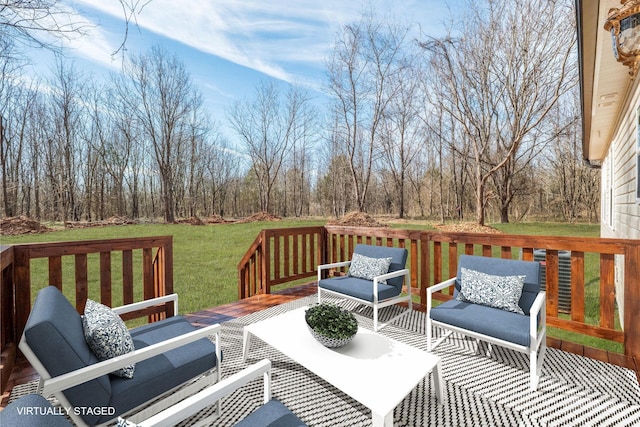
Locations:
column 620, row 202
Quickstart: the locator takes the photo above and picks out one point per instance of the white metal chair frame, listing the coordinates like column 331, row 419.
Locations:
column 376, row 304
column 194, row 404
column 55, row 385
column 537, row 332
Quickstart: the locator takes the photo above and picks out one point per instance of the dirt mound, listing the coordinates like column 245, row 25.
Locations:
column 357, row 219
column 114, row 220
column 15, row 225
column 467, row 227
column 260, row 216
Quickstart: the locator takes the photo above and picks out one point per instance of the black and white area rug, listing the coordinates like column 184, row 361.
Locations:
column 479, row 390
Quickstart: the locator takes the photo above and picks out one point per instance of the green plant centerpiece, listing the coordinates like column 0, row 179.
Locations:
column 331, row 325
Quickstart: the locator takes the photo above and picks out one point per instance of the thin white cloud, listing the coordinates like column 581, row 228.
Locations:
column 272, row 37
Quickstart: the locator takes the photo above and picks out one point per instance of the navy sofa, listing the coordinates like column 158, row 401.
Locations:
column 524, row 333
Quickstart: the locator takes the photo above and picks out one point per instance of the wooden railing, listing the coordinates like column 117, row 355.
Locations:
column 87, row 259
column 293, row 254
column 433, row 258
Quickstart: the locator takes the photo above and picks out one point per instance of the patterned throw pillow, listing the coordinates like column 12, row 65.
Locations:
column 107, row 335
column 364, row 267
column 501, row 292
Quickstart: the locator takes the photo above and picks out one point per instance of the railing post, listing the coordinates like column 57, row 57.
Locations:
column 632, row 300
column 8, row 339
column 265, row 268
column 22, row 289
column 323, row 246
column 425, row 265
column 167, row 272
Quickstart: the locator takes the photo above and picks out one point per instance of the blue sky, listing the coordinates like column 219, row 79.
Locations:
column 230, row 46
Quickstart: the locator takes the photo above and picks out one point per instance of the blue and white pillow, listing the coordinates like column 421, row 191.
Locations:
column 365, row 267
column 107, row 335
column 501, row 292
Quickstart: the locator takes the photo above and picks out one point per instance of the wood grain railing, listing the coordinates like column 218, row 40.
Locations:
column 94, row 273
column 433, row 258
column 293, row 254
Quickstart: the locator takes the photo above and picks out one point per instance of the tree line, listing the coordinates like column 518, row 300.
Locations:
column 482, row 123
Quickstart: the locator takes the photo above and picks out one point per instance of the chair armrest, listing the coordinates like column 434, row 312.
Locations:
column 393, row 274
column 73, row 378
column 148, row 303
column 440, row 286
column 194, row 404
column 333, row 265
column 322, row 267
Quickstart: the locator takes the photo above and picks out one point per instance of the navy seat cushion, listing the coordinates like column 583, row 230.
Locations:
column 505, row 267
column 486, row 320
column 271, row 414
column 41, row 413
column 164, row 372
column 358, row 288
column 54, row 333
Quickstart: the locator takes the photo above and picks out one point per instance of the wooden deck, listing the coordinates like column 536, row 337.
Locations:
column 24, row 373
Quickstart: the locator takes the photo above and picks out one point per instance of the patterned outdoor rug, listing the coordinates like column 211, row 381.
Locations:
column 479, row 390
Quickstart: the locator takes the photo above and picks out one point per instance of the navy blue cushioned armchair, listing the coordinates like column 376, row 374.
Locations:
column 169, row 355
column 373, row 292
column 271, row 413
column 525, row 332
column 34, row 410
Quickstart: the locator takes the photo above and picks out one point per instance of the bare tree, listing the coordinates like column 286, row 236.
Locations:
column 267, row 126
column 42, row 23
column 67, row 142
column 221, row 166
column 38, row 22
column 361, row 72
column 162, row 98
column 500, row 77
column 402, row 131
column 575, row 186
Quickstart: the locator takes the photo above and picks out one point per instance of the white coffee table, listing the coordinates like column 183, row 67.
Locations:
column 377, row 371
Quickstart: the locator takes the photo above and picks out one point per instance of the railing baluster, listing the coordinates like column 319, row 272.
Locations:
column 286, row 258
column 577, row 286
column 607, row 291
column 82, row 290
column 127, row 276
column 105, row 278
column 552, row 282
column 55, row 272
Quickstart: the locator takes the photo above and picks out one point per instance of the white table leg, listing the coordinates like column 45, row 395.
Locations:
column 382, row 420
column 437, row 382
column 246, row 342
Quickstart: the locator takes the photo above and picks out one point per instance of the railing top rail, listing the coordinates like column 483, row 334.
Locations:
column 584, row 244
column 61, row 248
column 382, row 232
column 254, row 246
column 292, row 231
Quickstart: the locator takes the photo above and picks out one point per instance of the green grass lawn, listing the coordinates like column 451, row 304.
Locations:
column 206, row 259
